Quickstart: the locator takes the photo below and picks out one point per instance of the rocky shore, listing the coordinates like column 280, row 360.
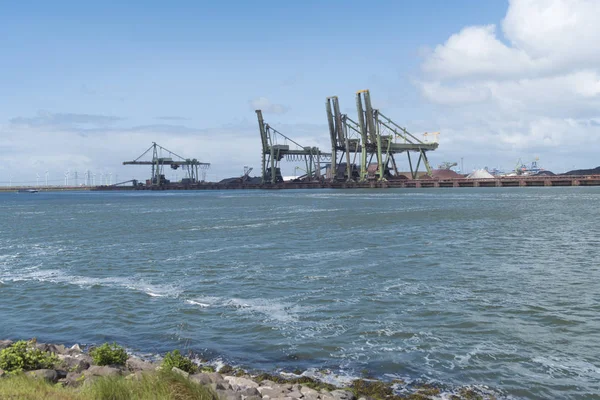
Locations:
column 75, row 368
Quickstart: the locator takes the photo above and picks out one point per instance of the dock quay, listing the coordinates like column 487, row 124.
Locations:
column 516, row 181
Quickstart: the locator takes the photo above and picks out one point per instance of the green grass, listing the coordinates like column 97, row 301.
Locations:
column 156, row 386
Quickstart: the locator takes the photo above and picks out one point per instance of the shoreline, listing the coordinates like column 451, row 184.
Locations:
column 76, row 368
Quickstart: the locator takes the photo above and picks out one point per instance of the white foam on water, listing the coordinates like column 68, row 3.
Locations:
column 273, row 309
column 334, row 254
column 576, row 367
column 197, row 303
column 59, row 277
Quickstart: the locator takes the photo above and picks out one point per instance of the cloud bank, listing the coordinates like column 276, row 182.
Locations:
column 529, row 87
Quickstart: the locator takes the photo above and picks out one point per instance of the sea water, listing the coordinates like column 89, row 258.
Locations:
column 493, row 288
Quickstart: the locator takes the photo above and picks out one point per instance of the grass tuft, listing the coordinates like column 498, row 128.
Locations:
column 155, row 386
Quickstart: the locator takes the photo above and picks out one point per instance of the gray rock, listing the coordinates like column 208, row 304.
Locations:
column 295, row 394
column 309, row 392
column 243, row 383
column 342, row 395
column 73, row 364
column 253, row 398
column 49, row 375
column 215, row 377
column 96, row 370
column 180, row 372
column 274, row 392
column 229, row 395
column 250, row 392
column 75, row 349
column 216, row 386
column 5, row 343
column 74, row 379
column 137, row 364
column 51, row 348
column 201, row 378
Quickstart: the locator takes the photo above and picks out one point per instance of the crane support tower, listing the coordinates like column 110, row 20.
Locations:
column 379, row 140
column 345, row 137
column 273, row 153
column 191, row 167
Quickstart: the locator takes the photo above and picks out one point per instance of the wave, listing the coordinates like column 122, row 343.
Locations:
column 59, row 277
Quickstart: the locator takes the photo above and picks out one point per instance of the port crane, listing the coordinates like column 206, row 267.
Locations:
column 191, row 167
column 273, row 153
column 378, row 139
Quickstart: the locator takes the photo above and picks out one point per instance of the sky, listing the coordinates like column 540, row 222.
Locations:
column 88, row 85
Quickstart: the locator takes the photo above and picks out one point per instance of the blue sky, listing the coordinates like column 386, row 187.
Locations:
column 186, row 73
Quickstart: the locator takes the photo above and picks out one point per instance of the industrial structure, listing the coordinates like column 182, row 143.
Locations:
column 273, row 152
column 191, row 167
column 376, row 137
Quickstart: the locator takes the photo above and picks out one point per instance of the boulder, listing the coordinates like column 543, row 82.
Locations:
column 242, row 383
column 180, row 372
column 74, row 363
column 96, row 370
column 309, row 392
column 74, row 379
column 275, row 391
column 250, row 392
column 49, row 375
column 342, row 395
column 5, row 343
column 135, row 364
column 223, row 385
column 295, row 394
column 215, row 377
column 201, row 378
column 75, row 349
column 228, row 395
column 51, row 348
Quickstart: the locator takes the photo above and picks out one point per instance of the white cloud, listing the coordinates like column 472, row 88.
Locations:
column 533, row 87
column 264, row 104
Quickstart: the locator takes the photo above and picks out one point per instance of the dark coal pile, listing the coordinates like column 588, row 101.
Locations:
column 594, row 171
column 545, row 173
column 445, row 174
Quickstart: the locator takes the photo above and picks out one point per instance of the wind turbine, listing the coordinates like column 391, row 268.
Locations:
column 46, row 177
column 37, row 179
column 110, row 178
column 67, row 178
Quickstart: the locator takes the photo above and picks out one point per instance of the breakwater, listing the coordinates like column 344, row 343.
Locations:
column 74, row 368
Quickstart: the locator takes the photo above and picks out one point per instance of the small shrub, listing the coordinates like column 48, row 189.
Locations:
column 175, row 359
column 24, row 356
column 226, row 369
column 109, row 354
